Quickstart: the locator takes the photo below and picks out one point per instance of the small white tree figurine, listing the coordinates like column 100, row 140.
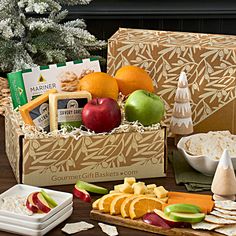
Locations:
column 224, row 181
column 181, row 121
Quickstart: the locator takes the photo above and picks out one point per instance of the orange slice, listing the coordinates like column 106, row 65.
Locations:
column 105, row 201
column 95, row 204
column 142, row 205
column 124, row 208
column 116, row 204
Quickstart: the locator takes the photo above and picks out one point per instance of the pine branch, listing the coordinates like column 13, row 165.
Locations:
column 41, row 39
column 79, row 23
column 58, row 16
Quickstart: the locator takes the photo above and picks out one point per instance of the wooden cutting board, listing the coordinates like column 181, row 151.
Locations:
column 140, row 225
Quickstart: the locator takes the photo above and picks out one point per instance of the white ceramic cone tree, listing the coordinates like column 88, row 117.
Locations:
column 224, row 181
column 181, row 121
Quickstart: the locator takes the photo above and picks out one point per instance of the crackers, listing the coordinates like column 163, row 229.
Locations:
column 69, row 80
column 222, row 219
column 226, row 205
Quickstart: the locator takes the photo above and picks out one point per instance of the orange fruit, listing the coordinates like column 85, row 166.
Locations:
column 105, row 202
column 131, row 78
column 124, row 208
column 116, row 204
column 100, row 85
column 95, row 204
column 142, row 205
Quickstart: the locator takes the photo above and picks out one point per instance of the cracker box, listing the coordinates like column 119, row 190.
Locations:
column 208, row 60
column 28, row 84
column 94, row 158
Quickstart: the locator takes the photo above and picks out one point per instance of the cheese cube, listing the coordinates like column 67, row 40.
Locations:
column 65, row 109
column 36, row 112
column 139, row 188
column 149, row 191
column 130, row 180
column 114, row 191
column 117, row 187
column 164, row 199
column 160, row 192
column 151, row 186
column 126, row 188
column 150, row 195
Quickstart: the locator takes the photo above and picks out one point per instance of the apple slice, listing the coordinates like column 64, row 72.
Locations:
column 91, row 187
column 187, row 217
column 181, row 208
column 81, row 194
column 172, row 223
column 41, row 202
column 154, row 219
column 30, row 204
column 50, row 201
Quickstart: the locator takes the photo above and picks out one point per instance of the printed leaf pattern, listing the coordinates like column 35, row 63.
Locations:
column 98, row 151
column 12, row 134
column 208, row 60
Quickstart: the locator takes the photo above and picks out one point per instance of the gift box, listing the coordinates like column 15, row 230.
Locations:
column 59, row 160
column 208, row 60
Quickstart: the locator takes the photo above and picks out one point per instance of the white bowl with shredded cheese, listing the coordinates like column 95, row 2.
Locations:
column 16, row 218
column 203, row 151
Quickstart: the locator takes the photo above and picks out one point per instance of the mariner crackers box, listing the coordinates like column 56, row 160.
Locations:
column 28, row 84
column 94, row 158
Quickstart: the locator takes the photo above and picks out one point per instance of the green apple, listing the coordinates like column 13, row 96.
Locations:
column 187, row 217
column 181, row 208
column 91, row 187
column 145, row 107
column 50, row 201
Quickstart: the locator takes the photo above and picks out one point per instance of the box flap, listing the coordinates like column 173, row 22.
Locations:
column 174, row 38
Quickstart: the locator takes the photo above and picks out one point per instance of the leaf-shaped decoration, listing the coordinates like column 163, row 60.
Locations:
column 89, row 163
column 138, row 159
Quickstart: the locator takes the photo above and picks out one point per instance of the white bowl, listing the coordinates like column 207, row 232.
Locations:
column 203, row 164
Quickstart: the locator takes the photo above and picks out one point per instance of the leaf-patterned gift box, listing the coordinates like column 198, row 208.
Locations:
column 93, row 158
column 209, row 61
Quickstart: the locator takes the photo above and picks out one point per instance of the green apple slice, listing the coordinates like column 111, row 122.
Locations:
column 181, row 208
column 91, row 187
column 187, row 217
column 49, row 200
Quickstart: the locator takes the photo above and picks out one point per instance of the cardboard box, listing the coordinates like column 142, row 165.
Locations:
column 58, row 161
column 208, row 60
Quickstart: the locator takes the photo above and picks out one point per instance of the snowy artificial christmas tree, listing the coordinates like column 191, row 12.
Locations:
column 181, row 121
column 32, row 33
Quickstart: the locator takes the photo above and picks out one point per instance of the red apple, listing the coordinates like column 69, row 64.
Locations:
column 170, row 222
column 81, row 194
column 101, row 115
column 154, row 219
column 41, row 203
column 30, row 204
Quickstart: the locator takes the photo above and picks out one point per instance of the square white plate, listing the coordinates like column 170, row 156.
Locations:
column 62, row 198
column 26, row 231
column 36, row 225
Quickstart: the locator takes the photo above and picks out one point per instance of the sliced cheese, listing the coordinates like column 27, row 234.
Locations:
column 36, row 112
column 65, row 109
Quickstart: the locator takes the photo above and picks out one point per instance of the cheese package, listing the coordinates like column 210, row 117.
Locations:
column 27, row 84
column 65, row 109
column 36, row 112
